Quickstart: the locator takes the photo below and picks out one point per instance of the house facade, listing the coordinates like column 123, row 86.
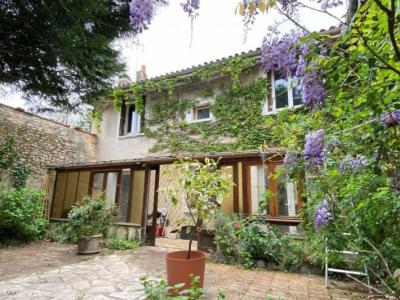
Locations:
column 221, row 110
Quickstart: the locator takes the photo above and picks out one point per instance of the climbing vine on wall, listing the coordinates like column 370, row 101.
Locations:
column 9, row 162
column 134, row 94
column 238, row 124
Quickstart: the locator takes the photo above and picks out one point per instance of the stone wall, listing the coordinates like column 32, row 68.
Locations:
column 41, row 142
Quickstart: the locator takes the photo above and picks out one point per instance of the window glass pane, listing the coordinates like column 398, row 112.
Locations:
column 97, row 183
column 135, row 215
column 203, row 113
column 124, row 195
column 135, row 123
column 297, row 91
column 150, row 205
column 258, row 186
column 59, row 194
column 227, row 202
column 83, row 186
column 286, row 196
column 130, row 112
column 111, row 188
column 281, row 94
column 70, row 193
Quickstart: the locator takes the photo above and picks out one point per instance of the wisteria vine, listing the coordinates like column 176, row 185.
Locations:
column 286, row 55
column 140, row 14
column 323, row 216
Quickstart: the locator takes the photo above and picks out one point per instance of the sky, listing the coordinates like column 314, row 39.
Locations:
column 217, row 32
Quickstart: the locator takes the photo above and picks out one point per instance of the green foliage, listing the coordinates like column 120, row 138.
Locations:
column 203, row 187
column 367, row 208
column 7, row 153
column 245, row 126
column 118, row 244
column 160, row 290
column 68, row 54
column 20, row 173
column 92, row 216
column 247, row 241
column 58, row 233
column 97, row 117
column 21, row 215
column 134, row 95
column 9, row 162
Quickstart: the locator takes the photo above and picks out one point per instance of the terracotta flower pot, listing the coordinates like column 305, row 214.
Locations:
column 89, row 245
column 180, row 269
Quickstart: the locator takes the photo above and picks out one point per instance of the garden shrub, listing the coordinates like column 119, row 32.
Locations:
column 92, row 216
column 21, row 215
column 118, row 244
column 160, row 290
column 247, row 241
column 58, row 233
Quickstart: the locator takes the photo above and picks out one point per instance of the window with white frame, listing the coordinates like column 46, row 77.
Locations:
column 198, row 113
column 130, row 121
column 285, row 92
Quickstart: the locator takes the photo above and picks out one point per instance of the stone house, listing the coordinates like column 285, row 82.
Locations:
column 216, row 110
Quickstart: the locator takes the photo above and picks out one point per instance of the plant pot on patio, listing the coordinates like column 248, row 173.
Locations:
column 89, row 245
column 88, row 220
column 203, row 186
column 180, row 269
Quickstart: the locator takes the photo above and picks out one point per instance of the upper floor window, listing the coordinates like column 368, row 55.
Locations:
column 285, row 92
column 201, row 112
column 130, row 121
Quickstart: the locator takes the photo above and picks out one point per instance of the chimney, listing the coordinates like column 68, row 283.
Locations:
column 124, row 81
column 141, row 74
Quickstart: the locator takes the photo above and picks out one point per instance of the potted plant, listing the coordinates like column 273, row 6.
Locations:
column 89, row 221
column 203, row 187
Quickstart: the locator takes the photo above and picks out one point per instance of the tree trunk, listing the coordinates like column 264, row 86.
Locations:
column 189, row 256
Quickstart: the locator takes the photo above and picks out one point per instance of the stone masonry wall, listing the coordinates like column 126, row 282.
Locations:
column 41, row 142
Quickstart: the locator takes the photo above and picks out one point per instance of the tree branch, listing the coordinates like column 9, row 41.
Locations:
column 382, row 7
column 376, row 55
column 391, row 27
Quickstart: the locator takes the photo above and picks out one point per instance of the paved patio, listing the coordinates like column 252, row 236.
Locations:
column 50, row 271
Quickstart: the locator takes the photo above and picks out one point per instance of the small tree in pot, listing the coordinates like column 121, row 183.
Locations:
column 88, row 221
column 203, row 187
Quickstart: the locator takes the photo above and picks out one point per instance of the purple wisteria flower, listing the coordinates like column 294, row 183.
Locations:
column 330, row 4
column 191, row 7
column 332, row 145
column 287, row 5
column 313, row 88
column 353, row 164
column 280, row 54
column 313, row 148
column 391, row 119
column 290, row 161
column 141, row 12
column 323, row 216
column 285, row 55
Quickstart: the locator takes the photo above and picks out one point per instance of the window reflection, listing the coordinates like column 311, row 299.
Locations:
column 297, row 91
column 286, row 196
column 281, row 91
column 258, row 186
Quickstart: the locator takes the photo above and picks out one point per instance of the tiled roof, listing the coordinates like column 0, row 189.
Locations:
column 190, row 70
column 333, row 30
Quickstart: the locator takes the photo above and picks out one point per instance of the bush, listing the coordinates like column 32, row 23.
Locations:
column 21, row 215
column 117, row 244
column 248, row 241
column 160, row 290
column 92, row 216
column 58, row 233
